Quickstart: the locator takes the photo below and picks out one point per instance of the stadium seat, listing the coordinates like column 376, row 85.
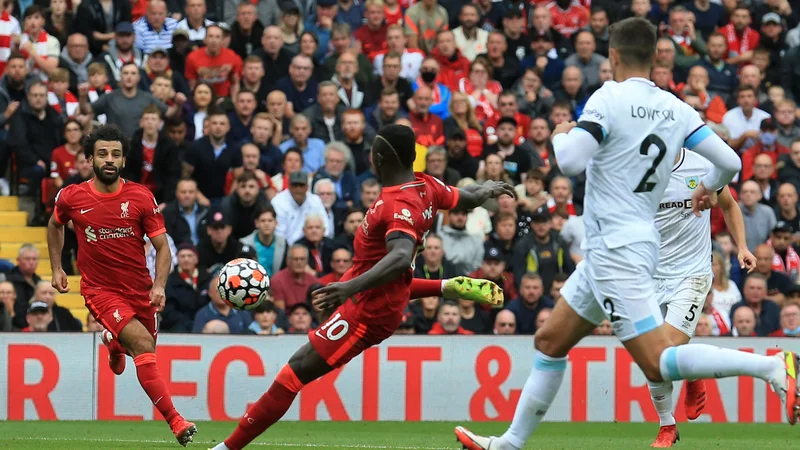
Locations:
column 13, row 218
column 80, row 314
column 70, row 300
column 9, row 250
column 9, row 204
column 24, row 234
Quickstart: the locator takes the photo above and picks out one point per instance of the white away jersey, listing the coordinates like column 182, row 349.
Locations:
column 640, row 129
column 685, row 238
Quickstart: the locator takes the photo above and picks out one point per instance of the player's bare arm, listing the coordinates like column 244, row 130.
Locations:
column 399, row 253
column 735, row 223
column 55, row 244
column 163, row 266
column 475, row 195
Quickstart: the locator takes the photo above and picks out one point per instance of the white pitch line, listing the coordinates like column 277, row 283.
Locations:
column 266, row 444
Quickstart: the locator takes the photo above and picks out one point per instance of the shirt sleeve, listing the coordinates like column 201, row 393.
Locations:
column 446, row 196
column 152, row 219
column 399, row 217
column 595, row 118
column 100, row 105
column 62, row 209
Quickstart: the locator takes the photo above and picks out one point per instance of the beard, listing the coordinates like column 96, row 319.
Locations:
column 108, row 179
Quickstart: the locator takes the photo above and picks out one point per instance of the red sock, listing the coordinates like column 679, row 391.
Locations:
column 154, row 385
column 425, row 288
column 267, row 410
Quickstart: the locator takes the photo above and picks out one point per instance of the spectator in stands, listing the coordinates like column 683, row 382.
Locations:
column 184, row 292
column 494, row 269
column 341, row 262
column 572, row 90
column 763, row 172
column 744, row 121
column 778, row 283
column 448, row 320
column 293, row 205
column 243, row 205
column 246, row 30
column 411, row 59
column 531, row 300
column 766, row 311
column 92, row 325
column 275, row 58
column 463, row 250
column 439, row 93
column 337, row 158
column 313, row 149
column 155, row 29
column 372, row 34
column 292, row 162
column 326, row 115
column 7, row 299
column 463, row 118
column 470, row 38
column 386, row 85
column 788, row 209
column 719, row 320
column 352, row 220
column 533, row 99
column 75, row 58
column 184, row 215
column 39, row 318
column 270, row 248
column 423, row 21
column 542, row 251
column 61, row 319
column 786, row 260
column 216, row 327
column 503, row 237
column 251, row 159
column 586, row 59
column 427, row 126
column 744, row 322
column 431, row 263
column 92, row 20
column 300, row 319
column 725, row 292
column 197, row 109
column 320, row 248
column 505, row 323
column 517, row 161
column 214, row 64
column 358, row 67
column 790, row 322
column 598, row 26
column 152, row 159
column 453, row 65
column 789, row 166
column 542, row 317
column 14, row 85
column 40, row 48
column 722, row 79
column 767, row 145
column 120, row 50
column 436, row 165
column 759, row 219
column 218, row 246
column 545, row 59
column 194, row 21
column 326, row 191
column 742, row 39
column 210, row 158
column 476, row 320
column 217, row 310
column 458, row 158
column 241, row 118
column 264, row 317
column 63, row 158
column 788, row 124
column 290, row 285
column 299, row 87
column 424, row 311
column 707, row 16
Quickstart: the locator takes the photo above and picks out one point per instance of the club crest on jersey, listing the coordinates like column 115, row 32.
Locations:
column 692, row 182
column 124, row 207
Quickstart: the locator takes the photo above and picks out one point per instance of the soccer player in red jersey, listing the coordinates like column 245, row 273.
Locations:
column 111, row 217
column 371, row 296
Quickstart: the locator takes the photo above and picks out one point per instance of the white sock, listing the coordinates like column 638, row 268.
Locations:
column 444, row 281
column 661, row 393
column 221, row 446
column 697, row 361
column 537, row 395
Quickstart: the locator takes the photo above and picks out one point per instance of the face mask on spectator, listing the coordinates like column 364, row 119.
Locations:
column 428, row 77
column 789, row 332
column 769, row 139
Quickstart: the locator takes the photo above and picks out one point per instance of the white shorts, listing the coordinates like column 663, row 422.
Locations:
column 682, row 299
column 617, row 284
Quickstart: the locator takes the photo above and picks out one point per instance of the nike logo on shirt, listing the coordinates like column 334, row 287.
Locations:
column 84, row 211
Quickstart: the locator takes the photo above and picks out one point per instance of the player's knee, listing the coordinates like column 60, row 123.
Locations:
column 545, row 341
column 141, row 347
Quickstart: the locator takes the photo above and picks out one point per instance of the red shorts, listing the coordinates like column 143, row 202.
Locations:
column 113, row 310
column 346, row 334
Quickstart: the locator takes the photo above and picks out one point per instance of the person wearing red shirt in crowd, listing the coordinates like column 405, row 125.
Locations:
column 428, row 127
column 153, row 160
column 507, row 105
column 372, row 35
column 539, row 140
column 742, row 40
column 448, row 320
column 290, row 285
column 251, row 157
column 393, row 13
column 482, row 90
column 341, row 262
column 453, row 66
column 213, row 64
column 766, row 144
column 62, row 161
column 568, row 17
column 494, row 268
column 462, row 116
column 785, row 259
column 561, row 197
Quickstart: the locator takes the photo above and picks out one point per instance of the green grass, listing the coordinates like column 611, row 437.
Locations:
column 388, row 435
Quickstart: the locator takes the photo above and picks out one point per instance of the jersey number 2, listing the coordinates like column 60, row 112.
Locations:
column 644, row 185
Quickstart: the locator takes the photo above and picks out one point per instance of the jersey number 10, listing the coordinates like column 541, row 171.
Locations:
column 644, row 185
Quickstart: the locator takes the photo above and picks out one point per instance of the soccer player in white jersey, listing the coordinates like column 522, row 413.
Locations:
column 683, row 276
column 626, row 139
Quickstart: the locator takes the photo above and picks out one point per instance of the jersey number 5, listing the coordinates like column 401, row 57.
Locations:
column 644, row 185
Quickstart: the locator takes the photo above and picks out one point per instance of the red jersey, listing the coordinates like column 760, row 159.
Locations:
column 569, row 21
column 429, row 130
column 62, row 163
column 214, row 70
column 737, row 45
column 148, row 153
column 408, row 208
column 484, row 110
column 111, row 230
column 451, row 71
column 523, row 125
column 393, row 17
column 373, row 43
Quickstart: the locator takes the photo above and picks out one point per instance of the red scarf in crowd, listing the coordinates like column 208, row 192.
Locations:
column 720, row 321
column 791, row 266
column 570, row 207
column 41, row 49
column 70, row 101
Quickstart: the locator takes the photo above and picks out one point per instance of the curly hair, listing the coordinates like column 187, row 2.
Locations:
column 105, row 133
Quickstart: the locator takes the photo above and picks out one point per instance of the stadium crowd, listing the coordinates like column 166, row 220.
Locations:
column 252, row 121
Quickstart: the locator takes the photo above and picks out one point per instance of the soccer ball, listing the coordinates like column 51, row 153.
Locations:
column 243, row 284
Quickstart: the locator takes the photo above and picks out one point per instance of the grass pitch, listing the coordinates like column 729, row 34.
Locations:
column 388, row 435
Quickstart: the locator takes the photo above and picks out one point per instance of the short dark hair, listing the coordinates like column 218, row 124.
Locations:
column 746, row 87
column 353, row 210
column 33, row 10
column 297, row 151
column 717, row 34
column 152, row 108
column 69, row 121
column 635, row 40
column 16, row 54
column 561, row 104
column 105, row 133
column 396, row 143
column 387, row 91
column 246, row 176
column 597, row 9
column 245, row 91
column 265, row 209
column 129, row 63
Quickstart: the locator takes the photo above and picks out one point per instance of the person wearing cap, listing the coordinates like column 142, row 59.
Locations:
column 517, row 162
column 744, row 121
column 423, row 21
column 784, row 11
column 767, row 144
column 155, row 28
column 517, row 41
column 120, row 50
column 301, row 320
column 470, row 37
column 39, row 317
column 158, row 65
column 292, row 205
column 543, row 59
column 216, row 309
column 542, row 251
column 458, row 158
column 494, row 269
column 219, row 245
column 786, row 260
column 195, row 22
column 59, row 319
column 185, row 289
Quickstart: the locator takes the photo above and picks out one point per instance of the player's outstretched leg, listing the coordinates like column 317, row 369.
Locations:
column 562, row 331
column 305, row 366
column 116, row 352
column 141, row 345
